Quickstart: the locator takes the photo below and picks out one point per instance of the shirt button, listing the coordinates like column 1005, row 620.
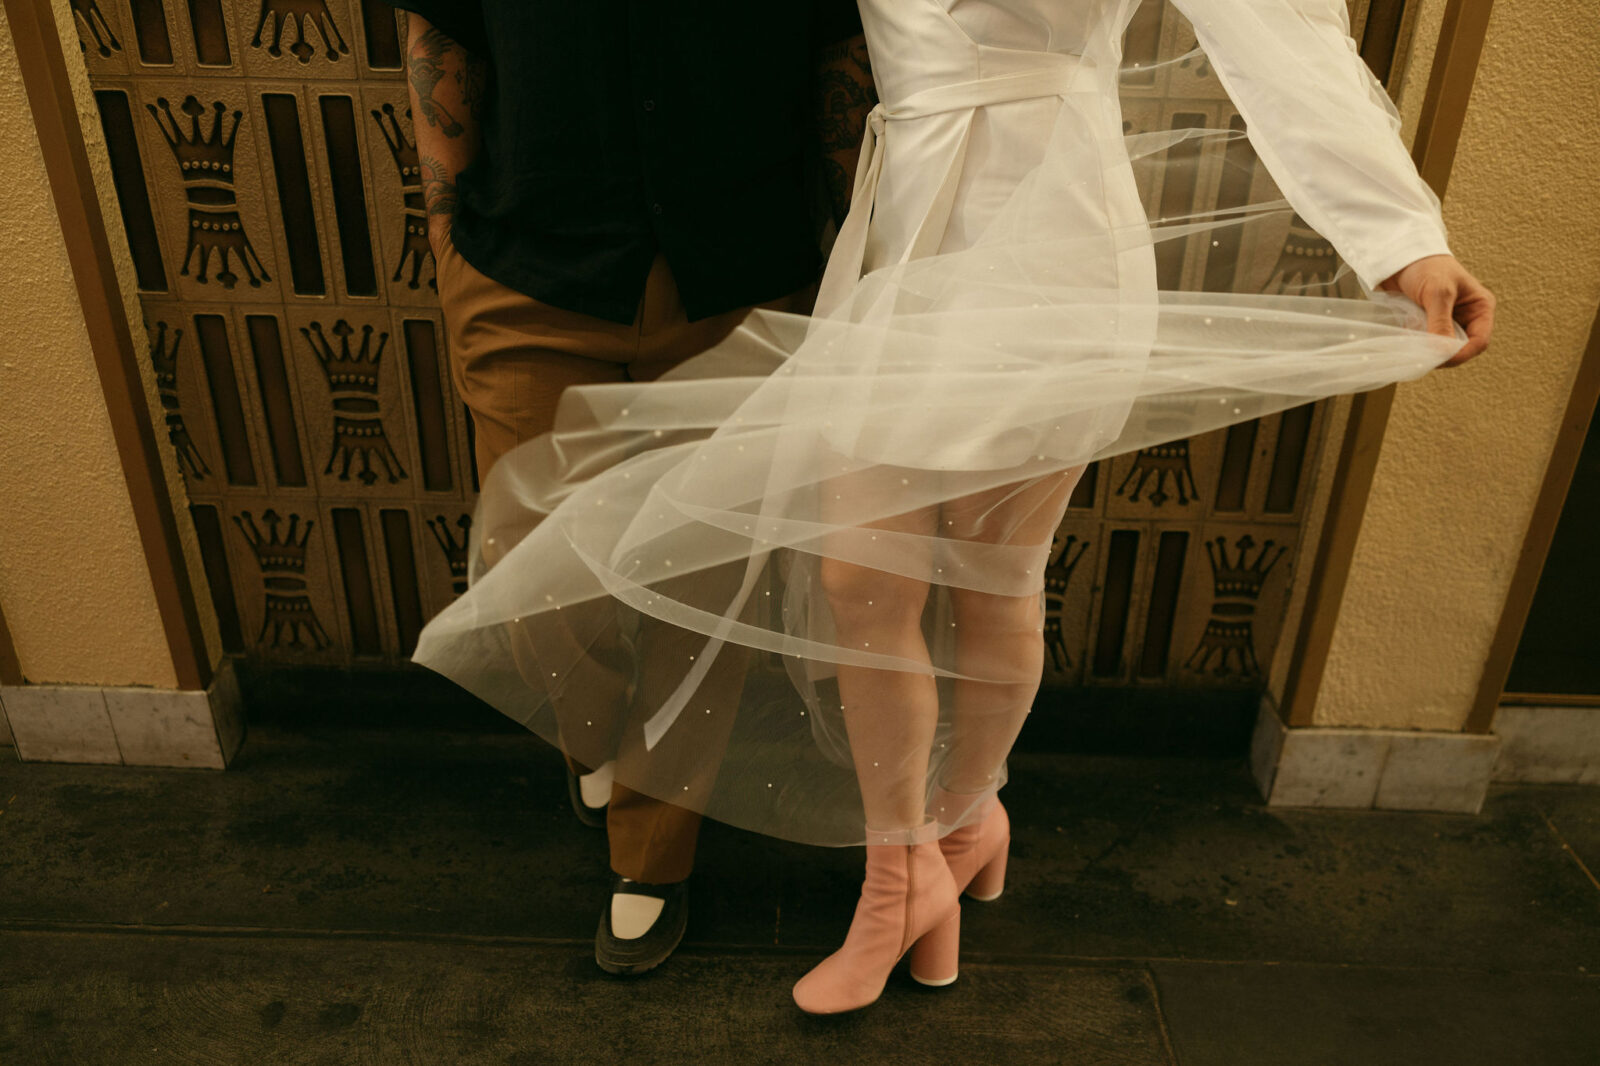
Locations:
column 649, row 105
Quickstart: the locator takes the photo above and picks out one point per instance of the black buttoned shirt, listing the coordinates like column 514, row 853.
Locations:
column 614, row 129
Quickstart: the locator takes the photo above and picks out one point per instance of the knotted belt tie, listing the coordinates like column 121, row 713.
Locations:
column 1072, row 73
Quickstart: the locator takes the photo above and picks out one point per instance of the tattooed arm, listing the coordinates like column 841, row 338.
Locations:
column 448, row 84
column 845, row 94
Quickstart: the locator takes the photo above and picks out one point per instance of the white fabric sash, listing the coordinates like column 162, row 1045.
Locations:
column 1071, row 73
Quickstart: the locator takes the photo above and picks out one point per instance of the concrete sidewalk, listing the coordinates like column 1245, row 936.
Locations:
column 396, row 897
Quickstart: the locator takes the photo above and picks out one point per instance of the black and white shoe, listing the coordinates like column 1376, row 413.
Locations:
column 587, row 788
column 645, row 940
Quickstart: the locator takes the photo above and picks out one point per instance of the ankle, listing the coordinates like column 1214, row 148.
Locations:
column 926, row 832
column 961, row 808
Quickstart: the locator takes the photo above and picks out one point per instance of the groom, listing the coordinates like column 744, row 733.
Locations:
column 611, row 186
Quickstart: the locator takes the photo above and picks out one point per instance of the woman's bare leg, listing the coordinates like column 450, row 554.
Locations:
column 889, row 715
column 998, row 635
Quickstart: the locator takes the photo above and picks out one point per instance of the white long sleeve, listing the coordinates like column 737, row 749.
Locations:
column 1323, row 126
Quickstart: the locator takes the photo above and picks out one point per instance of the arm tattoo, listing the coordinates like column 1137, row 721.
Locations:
column 438, row 188
column 426, row 68
column 845, row 94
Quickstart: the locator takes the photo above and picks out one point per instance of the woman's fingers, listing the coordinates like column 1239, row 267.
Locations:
column 1447, row 293
column 1440, row 303
column 1475, row 311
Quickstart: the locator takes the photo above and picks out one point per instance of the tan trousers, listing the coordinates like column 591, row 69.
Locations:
column 511, row 357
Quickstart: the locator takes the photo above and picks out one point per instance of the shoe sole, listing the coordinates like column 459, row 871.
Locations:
column 629, row 969
column 946, row 983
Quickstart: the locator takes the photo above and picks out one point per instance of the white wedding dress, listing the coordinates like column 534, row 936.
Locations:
column 990, row 321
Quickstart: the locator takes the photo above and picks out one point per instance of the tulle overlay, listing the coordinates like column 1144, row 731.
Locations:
column 868, row 496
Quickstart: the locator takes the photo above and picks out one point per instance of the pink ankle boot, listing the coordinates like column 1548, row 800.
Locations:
column 976, row 853
column 908, row 903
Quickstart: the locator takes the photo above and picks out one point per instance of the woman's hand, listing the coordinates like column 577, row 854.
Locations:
column 1442, row 287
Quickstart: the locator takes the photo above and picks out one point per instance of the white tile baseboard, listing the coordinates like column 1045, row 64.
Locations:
column 131, row 726
column 1553, row 745
column 1389, row 769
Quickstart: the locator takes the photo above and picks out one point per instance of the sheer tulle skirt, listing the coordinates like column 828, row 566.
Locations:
column 869, row 499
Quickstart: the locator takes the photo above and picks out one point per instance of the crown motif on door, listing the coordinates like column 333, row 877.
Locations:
column 415, row 248
column 1235, row 577
column 347, row 371
column 279, row 551
column 353, row 384
column 287, row 605
column 1306, row 263
column 303, row 14
column 1163, row 461
column 164, row 357
column 454, row 548
column 205, row 160
column 1229, row 634
column 199, row 155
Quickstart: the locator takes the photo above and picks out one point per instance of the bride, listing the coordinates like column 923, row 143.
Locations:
column 869, row 495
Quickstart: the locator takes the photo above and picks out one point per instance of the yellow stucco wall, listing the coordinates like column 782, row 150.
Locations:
column 74, row 584
column 1466, row 448
column 1408, row 91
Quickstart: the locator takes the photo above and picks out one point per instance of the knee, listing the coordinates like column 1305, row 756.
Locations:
column 862, row 595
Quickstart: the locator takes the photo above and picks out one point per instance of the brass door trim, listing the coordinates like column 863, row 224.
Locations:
column 116, row 354
column 1536, row 543
column 1444, row 108
column 1547, row 699
column 1388, row 54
